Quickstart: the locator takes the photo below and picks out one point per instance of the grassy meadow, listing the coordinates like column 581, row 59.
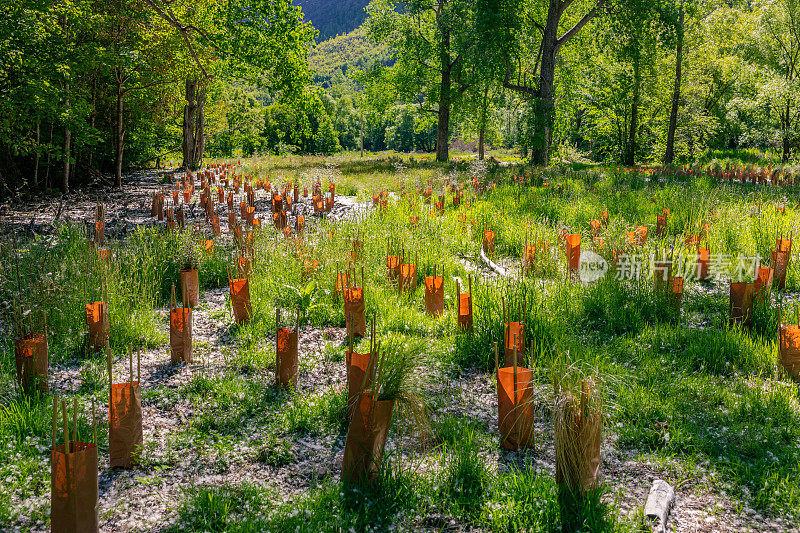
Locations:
column 685, row 397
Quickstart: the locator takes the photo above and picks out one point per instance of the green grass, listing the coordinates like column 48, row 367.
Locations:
column 686, row 394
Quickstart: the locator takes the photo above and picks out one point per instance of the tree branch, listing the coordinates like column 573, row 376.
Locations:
column 151, row 84
column 183, row 30
column 577, row 27
column 525, row 89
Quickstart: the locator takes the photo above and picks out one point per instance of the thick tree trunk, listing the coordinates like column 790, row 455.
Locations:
column 543, row 95
column 544, row 105
column 669, row 156
column 193, row 125
column 120, row 139
column 443, row 126
column 632, row 148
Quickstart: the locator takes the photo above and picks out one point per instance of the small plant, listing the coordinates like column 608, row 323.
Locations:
column 309, row 301
column 275, row 452
column 315, row 414
column 187, row 254
column 466, row 476
column 93, row 376
column 766, row 314
column 399, row 374
column 396, row 380
column 224, row 508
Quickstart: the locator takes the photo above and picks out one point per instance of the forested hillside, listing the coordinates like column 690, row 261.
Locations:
column 333, row 17
column 344, row 53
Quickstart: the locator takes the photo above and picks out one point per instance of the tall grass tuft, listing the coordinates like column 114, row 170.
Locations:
column 577, row 429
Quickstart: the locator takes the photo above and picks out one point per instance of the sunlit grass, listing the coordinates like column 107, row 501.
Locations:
column 676, row 388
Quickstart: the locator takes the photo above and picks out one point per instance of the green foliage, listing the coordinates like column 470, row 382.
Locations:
column 326, row 139
column 220, row 509
column 619, row 307
column 466, row 477
column 93, row 86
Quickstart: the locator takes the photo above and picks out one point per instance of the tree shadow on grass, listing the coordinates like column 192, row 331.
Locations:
column 163, row 373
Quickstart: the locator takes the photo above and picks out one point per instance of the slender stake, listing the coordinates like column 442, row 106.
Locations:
column 94, row 424
column 277, row 330
column 75, row 420
column 376, row 381
column 55, row 414
column 110, row 377
column 185, row 294
column 458, row 301
column 66, row 428
column 515, row 370
column 530, row 356
column 372, row 333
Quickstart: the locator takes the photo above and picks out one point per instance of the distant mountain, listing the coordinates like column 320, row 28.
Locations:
column 345, row 52
column 333, row 17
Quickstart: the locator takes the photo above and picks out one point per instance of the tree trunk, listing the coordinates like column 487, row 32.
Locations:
column 443, row 126
column 544, row 106
column 49, row 155
column 67, row 132
column 120, row 139
column 193, row 125
column 482, row 133
column 669, row 156
column 361, row 134
column 632, row 148
column 92, row 120
column 543, row 94
column 36, row 162
column 67, row 145
column 786, row 127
